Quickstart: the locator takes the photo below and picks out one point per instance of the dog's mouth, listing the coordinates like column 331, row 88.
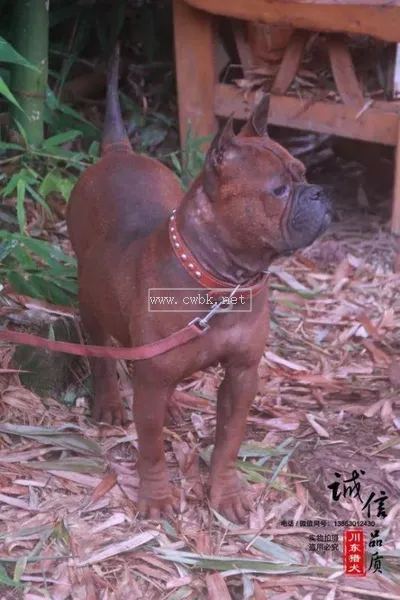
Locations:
column 308, row 215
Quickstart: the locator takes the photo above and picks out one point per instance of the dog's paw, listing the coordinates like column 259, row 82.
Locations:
column 155, row 503
column 235, row 508
column 109, row 412
column 228, row 497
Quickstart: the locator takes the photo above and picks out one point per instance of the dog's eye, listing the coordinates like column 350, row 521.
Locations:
column 281, row 191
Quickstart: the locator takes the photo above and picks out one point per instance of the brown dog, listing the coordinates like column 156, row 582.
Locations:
column 250, row 204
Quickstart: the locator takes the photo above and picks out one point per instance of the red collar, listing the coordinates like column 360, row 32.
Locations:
column 253, row 287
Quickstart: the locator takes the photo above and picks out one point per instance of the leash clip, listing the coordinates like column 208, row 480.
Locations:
column 202, row 323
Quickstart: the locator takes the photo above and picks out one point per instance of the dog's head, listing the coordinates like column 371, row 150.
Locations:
column 258, row 191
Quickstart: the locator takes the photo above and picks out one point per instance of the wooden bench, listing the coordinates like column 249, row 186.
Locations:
column 202, row 98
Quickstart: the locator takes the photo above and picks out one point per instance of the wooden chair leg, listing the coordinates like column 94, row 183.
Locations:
column 290, row 62
column 344, row 72
column 242, row 45
column 195, row 70
column 396, row 193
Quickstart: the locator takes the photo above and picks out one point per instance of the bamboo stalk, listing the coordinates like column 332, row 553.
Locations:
column 31, row 33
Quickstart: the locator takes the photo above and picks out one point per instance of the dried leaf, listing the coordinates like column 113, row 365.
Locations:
column 394, row 372
column 216, row 587
column 118, row 548
column 318, row 428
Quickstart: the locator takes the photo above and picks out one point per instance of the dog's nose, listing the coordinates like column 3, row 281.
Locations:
column 317, row 194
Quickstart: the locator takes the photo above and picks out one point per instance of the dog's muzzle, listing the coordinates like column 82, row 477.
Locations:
column 308, row 216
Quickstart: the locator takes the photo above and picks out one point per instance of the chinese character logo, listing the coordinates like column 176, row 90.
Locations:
column 354, row 552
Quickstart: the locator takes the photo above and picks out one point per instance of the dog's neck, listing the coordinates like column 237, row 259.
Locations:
column 197, row 227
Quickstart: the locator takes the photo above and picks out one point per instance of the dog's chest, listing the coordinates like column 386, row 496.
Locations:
column 241, row 340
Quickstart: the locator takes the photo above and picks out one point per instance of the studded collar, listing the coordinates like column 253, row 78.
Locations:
column 250, row 289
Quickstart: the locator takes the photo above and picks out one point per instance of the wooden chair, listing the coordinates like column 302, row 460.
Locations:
column 202, row 98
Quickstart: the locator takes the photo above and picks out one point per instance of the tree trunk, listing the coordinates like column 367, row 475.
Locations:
column 31, row 35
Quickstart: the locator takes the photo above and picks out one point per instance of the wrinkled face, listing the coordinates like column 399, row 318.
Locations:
column 260, row 195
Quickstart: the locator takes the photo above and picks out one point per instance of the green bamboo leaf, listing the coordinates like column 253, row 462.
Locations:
column 51, row 183
column 23, row 259
column 27, row 430
column 67, row 110
column 61, row 533
column 78, row 157
column 183, row 592
column 22, row 284
column 6, row 248
column 60, row 122
column 40, row 530
column 21, row 216
column 10, row 55
column 51, row 335
column 253, row 475
column 27, row 262
column 44, row 249
column 58, row 270
column 283, row 462
column 57, row 152
column 8, row 146
column 228, row 563
column 67, row 285
column 66, row 440
column 11, row 185
column 29, row 175
column 40, row 558
column 164, row 118
column 7, row 93
column 66, row 187
column 6, row 580
column 38, row 198
column 176, row 163
column 55, row 105
column 197, row 142
column 267, row 547
column 81, row 465
column 21, row 131
column 19, row 568
column 168, row 528
column 114, row 549
column 61, row 138
column 258, row 450
column 94, row 149
column 53, row 294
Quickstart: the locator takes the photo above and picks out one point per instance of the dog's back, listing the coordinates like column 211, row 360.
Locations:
column 124, row 195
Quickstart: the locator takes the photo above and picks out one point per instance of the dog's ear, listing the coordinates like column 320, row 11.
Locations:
column 223, row 147
column 257, row 124
column 224, row 142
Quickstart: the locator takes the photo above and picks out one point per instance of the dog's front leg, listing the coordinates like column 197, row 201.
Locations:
column 149, row 409
column 235, row 396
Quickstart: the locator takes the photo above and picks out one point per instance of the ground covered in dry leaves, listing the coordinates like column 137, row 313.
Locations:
column 327, row 403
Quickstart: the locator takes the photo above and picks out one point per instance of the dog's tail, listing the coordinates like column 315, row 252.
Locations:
column 114, row 133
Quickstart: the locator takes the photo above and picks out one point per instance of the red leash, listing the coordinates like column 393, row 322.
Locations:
column 193, row 330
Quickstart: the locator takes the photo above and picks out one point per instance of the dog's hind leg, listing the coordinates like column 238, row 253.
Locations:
column 107, row 405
